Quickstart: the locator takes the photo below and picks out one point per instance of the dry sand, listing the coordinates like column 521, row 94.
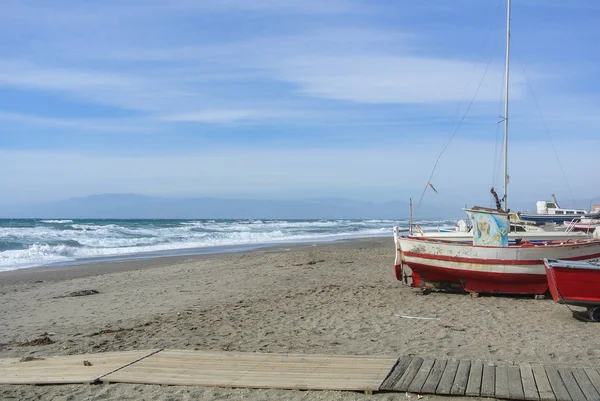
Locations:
column 336, row 298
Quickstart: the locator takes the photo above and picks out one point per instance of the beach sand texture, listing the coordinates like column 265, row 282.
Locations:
column 333, row 298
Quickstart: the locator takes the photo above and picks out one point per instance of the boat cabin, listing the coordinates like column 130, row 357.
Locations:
column 549, row 207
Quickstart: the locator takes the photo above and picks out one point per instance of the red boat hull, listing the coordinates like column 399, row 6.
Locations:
column 473, row 281
column 574, row 284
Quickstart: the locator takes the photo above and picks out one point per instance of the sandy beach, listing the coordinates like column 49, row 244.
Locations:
column 328, row 298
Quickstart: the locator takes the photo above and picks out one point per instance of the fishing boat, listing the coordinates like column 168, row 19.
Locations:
column 575, row 283
column 584, row 225
column 551, row 212
column 587, row 223
column 489, row 264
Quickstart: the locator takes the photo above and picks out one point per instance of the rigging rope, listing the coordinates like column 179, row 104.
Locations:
column 461, row 102
column 546, row 130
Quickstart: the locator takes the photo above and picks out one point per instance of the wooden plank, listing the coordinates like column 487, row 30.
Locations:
column 543, row 383
column 488, row 381
column 530, row 391
column 586, row 385
column 474, row 382
column 417, row 384
column 594, row 377
column 69, row 368
column 396, row 373
column 515, row 385
column 571, row 384
column 283, row 371
column 447, row 379
column 502, row 390
column 558, row 387
column 409, row 375
column 434, row 376
column 459, row 386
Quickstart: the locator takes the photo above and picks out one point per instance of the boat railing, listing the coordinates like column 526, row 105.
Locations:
column 571, row 225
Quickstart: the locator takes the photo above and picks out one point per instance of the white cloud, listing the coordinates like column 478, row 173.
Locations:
column 388, row 79
column 217, row 116
column 82, row 125
column 119, row 89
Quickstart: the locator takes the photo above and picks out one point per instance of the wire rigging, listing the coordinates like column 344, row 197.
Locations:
column 546, row 130
column 462, row 119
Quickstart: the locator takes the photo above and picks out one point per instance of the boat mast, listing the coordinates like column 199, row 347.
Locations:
column 506, row 109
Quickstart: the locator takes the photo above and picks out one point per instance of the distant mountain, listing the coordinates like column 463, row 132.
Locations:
column 134, row 206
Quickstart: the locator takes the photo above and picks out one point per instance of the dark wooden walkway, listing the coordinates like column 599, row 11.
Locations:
column 522, row 381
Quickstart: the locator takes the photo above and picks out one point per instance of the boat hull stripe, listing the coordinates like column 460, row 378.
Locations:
column 490, row 261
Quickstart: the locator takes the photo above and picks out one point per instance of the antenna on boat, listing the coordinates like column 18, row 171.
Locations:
column 410, row 221
column 505, row 198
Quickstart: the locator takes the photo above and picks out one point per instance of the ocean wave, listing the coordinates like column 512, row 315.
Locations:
column 29, row 243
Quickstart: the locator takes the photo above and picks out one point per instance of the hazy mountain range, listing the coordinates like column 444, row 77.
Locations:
column 133, row 206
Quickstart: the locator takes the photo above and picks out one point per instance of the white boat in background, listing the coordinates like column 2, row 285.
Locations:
column 583, row 226
column 587, row 223
column 488, row 264
column 551, row 212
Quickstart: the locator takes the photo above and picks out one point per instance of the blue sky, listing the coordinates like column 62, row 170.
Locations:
column 296, row 98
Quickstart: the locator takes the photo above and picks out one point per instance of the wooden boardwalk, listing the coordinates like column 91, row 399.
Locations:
column 313, row 372
column 521, row 381
column 254, row 370
column 67, row 369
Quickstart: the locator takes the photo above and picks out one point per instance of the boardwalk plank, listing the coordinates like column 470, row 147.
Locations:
column 530, row 390
column 256, row 370
column 488, row 381
column 543, row 383
column 421, row 376
column 515, row 385
column 396, row 373
column 409, row 375
column 594, row 377
column 560, row 391
column 68, row 368
column 434, row 376
column 474, row 382
column 447, row 378
column 586, row 385
column 571, row 384
column 502, row 381
column 459, row 386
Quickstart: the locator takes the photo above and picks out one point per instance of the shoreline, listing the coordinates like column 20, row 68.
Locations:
column 185, row 252
column 72, row 270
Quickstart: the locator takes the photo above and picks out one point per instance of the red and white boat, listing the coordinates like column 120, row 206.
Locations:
column 584, row 225
column 575, row 283
column 482, row 267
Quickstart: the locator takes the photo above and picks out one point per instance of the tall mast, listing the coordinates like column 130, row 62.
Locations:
column 506, row 109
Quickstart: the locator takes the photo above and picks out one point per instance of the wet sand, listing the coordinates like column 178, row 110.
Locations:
column 333, row 298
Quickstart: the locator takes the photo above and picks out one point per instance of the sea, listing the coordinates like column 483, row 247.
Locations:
column 26, row 243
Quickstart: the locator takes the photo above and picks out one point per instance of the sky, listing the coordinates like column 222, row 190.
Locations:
column 298, row 99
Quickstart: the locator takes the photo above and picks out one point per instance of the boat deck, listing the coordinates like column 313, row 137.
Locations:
column 517, row 381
